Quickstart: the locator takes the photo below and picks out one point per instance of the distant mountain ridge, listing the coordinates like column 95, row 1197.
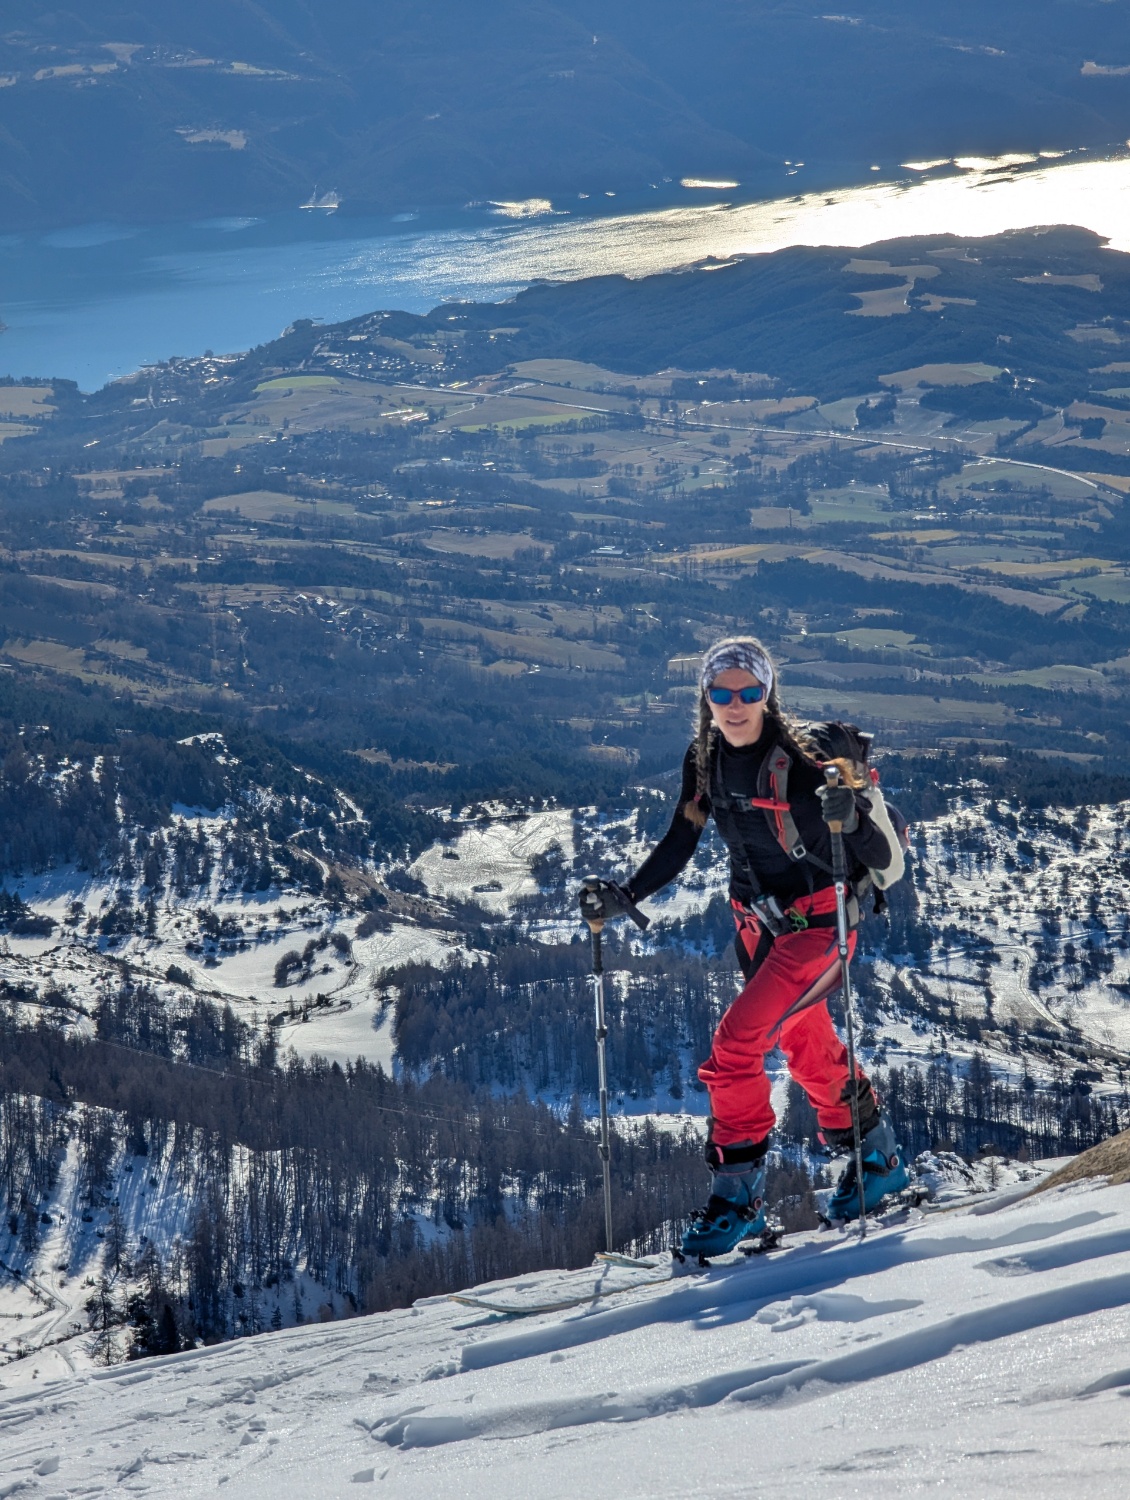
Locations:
column 216, row 108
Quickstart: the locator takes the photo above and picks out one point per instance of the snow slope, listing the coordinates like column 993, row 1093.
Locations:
column 981, row 1351
column 339, row 1006
column 1047, row 894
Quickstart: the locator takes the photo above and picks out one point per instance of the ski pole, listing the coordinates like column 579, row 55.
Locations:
column 593, row 892
column 839, row 879
column 596, row 927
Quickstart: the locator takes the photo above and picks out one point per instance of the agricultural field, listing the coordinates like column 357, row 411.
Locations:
column 539, row 524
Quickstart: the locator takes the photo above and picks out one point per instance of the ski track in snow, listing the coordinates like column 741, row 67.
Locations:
column 956, row 1354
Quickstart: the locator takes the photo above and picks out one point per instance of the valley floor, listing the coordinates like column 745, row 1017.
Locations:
column 977, row 1352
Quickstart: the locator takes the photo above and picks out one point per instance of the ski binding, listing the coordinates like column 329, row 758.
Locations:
column 910, row 1198
column 769, row 1239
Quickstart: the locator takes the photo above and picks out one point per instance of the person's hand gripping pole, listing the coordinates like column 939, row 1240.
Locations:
column 599, row 900
column 841, row 815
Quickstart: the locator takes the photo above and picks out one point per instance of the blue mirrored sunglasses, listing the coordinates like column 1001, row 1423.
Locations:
column 721, row 696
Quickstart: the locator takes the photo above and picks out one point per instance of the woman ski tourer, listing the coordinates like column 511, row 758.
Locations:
column 759, row 775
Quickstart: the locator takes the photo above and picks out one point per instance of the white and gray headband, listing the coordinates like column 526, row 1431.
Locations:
column 736, row 654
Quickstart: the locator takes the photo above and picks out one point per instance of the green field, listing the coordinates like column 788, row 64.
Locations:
column 300, row 383
column 267, row 505
column 871, row 638
column 1114, row 587
column 896, row 708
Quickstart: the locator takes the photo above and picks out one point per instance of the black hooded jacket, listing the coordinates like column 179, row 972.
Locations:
column 775, row 873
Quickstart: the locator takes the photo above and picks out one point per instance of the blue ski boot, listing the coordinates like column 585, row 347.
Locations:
column 735, row 1210
column 884, row 1172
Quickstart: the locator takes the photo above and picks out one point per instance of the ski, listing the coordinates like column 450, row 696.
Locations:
column 560, row 1304
column 630, row 1262
column 769, row 1239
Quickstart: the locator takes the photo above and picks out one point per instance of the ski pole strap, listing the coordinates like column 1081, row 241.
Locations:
column 632, row 910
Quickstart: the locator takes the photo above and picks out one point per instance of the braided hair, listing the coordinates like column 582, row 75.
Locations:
column 789, row 731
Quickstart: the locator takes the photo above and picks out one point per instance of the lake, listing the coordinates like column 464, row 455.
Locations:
column 94, row 303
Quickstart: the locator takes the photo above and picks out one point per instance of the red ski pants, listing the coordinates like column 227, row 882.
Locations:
column 784, row 1004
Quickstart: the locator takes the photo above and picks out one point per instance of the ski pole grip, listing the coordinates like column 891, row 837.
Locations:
column 836, row 830
column 592, row 904
column 832, row 777
column 596, row 894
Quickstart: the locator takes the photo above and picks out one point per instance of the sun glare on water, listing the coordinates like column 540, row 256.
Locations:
column 527, row 208
column 235, row 296
column 968, row 198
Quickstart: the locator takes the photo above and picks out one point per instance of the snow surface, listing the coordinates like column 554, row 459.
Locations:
column 981, row 1351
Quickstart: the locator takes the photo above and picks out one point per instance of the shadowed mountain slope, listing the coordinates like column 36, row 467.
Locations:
column 213, row 108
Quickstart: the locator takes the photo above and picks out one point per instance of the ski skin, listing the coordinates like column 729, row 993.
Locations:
column 631, row 1262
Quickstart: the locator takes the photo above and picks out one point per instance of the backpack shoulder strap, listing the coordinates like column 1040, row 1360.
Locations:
column 775, row 771
column 724, row 808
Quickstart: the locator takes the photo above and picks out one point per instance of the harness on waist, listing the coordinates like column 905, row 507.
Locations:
column 777, row 920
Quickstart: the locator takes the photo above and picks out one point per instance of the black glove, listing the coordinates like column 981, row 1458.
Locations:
column 838, row 806
column 602, row 899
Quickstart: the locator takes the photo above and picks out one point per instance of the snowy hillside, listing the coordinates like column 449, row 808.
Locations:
column 226, row 942
column 979, row 1352
column 1030, row 910
column 1021, row 936
column 995, row 1006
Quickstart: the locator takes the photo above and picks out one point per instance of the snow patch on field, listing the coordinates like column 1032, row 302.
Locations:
column 490, row 861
